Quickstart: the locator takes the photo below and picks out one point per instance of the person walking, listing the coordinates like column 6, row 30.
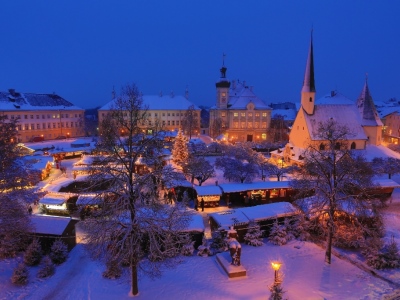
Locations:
column 202, row 204
column 30, row 209
column 196, row 203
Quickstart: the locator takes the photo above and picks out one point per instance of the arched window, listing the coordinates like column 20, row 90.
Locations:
column 310, row 99
column 337, row 146
column 322, row 146
column 353, row 145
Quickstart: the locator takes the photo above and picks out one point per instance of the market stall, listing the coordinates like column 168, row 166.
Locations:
column 211, row 194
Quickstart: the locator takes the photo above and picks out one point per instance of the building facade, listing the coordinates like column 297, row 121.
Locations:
column 167, row 110
column 41, row 116
column 239, row 115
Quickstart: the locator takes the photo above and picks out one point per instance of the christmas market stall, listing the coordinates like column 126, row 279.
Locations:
column 249, row 194
column 211, row 194
column 56, row 203
column 51, row 228
column 196, row 230
column 240, row 218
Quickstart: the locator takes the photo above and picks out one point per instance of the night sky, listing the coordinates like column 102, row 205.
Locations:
column 81, row 49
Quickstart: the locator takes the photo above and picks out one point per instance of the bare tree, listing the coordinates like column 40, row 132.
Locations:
column 338, row 176
column 217, row 127
column 237, row 170
column 388, row 165
column 200, row 168
column 278, row 131
column 190, row 122
column 134, row 227
column 278, row 171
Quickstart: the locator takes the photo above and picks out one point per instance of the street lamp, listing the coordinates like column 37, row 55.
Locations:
column 276, row 266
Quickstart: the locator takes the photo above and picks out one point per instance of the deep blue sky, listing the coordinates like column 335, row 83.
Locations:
column 81, row 49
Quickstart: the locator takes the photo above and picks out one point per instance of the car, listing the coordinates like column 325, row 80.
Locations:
column 36, row 139
column 61, row 137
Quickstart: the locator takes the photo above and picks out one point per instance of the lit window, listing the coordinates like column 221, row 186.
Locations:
column 243, row 114
column 250, row 115
column 235, row 114
column 264, row 114
column 223, row 114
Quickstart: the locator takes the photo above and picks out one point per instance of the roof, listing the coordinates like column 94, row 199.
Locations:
column 262, row 185
column 14, row 101
column 367, row 108
column 339, row 108
column 53, row 199
column 257, row 213
column 208, row 190
column 240, row 95
column 160, row 102
column 50, row 224
column 88, row 199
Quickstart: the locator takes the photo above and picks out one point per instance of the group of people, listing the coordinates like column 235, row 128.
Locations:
column 196, row 204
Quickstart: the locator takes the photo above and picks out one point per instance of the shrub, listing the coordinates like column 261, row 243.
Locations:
column 113, row 269
column 20, row 274
column 48, row 268
column 59, row 252
column 33, row 253
column 254, row 235
column 188, row 249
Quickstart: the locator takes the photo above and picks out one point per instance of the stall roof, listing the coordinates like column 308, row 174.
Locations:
column 53, row 199
column 263, row 185
column 258, row 213
column 208, row 190
column 88, row 199
column 196, row 224
column 50, row 224
column 269, row 211
column 386, row 183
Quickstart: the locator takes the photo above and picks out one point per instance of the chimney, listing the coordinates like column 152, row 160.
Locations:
column 187, row 94
column 333, row 93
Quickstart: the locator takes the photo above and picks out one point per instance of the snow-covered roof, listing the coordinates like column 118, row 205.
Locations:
column 262, row 185
column 196, row 223
column 208, row 190
column 54, row 199
column 38, row 162
column 386, row 183
column 80, row 143
column 269, row 211
column 336, row 107
column 163, row 102
column 258, row 213
column 240, row 95
column 372, row 151
column 15, row 101
column 88, row 199
column 50, row 224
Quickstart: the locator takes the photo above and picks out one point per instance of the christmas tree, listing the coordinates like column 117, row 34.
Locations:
column 59, row 252
column 254, row 235
column 279, row 234
column 219, row 242
column 47, row 269
column 180, row 151
column 33, row 254
column 20, row 274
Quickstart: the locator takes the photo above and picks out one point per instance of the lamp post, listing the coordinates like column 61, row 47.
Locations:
column 276, row 266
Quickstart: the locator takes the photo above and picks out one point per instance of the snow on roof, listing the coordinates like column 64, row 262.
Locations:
column 49, row 224
column 54, row 199
column 241, row 95
column 81, row 142
column 88, row 199
column 163, row 102
column 345, row 114
column 208, row 190
column 196, row 224
column 258, row 213
column 386, row 183
column 269, row 211
column 38, row 162
column 15, row 101
column 372, row 151
column 262, row 185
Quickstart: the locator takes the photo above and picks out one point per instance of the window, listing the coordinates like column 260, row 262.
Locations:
column 48, row 125
column 37, row 116
column 235, row 124
column 156, row 114
column 163, row 122
column 264, row 114
column 32, row 126
column 337, row 146
column 67, row 124
column 168, row 123
column 250, row 115
column 31, row 116
column 37, row 126
column 72, row 124
column 353, row 145
column 67, row 115
column 48, row 116
column 242, row 125
column 264, row 136
column 26, row 126
column 12, row 117
column 257, row 114
column 163, row 114
column 173, row 122
column 76, row 115
column 310, row 99
column 256, row 125
column 62, row 116
column 25, row 117
column 243, row 114
column 321, row 146
column 168, row 114
column 43, row 116
column 249, row 125
column 19, row 127
column 264, row 125
column 173, row 114
column 54, row 125
column 223, row 114
column 235, row 114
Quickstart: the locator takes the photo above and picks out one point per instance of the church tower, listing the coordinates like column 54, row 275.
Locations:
column 308, row 90
column 222, row 86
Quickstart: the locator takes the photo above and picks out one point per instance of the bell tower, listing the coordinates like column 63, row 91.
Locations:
column 222, row 86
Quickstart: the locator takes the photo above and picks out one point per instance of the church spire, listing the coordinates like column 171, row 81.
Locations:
column 308, row 89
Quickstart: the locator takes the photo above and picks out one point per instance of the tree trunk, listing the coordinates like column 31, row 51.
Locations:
column 134, row 279
column 328, row 253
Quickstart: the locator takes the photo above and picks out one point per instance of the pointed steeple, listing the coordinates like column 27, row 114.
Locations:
column 309, row 81
column 367, row 108
column 308, row 89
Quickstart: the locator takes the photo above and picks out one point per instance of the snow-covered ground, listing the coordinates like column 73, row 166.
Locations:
column 306, row 276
